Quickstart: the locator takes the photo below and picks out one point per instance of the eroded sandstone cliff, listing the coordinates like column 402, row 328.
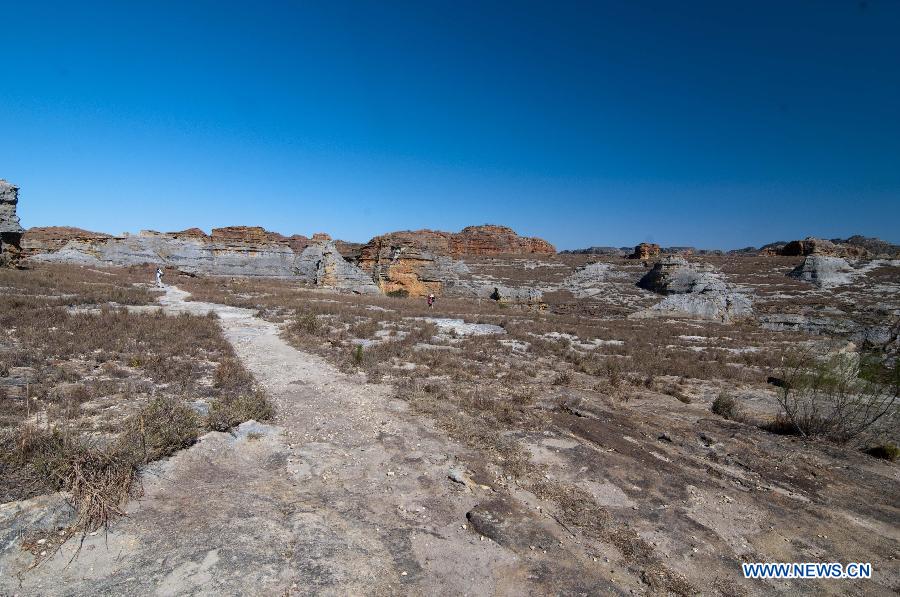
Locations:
column 421, row 262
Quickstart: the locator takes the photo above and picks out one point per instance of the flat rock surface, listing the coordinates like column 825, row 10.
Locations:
column 343, row 494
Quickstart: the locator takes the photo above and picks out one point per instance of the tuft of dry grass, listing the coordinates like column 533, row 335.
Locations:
column 228, row 411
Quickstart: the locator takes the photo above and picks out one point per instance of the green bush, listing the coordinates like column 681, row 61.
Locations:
column 888, row 451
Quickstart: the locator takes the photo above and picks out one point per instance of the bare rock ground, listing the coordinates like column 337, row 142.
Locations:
column 345, row 493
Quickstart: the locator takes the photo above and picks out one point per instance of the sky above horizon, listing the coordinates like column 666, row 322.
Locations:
column 711, row 124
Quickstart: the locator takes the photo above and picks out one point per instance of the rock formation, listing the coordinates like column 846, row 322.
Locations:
column 818, row 246
column 692, row 290
column 824, row 271
column 645, row 251
column 322, row 265
column 496, row 240
column 590, row 280
column 231, row 251
column 427, row 261
column 49, row 239
column 10, row 229
column 875, row 247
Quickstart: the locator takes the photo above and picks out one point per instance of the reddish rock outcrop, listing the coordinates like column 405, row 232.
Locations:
column 245, row 234
column 189, row 233
column 496, row 240
column 48, row 239
column 645, row 251
column 420, row 262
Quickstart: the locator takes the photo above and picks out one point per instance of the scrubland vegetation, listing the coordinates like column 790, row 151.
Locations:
column 95, row 383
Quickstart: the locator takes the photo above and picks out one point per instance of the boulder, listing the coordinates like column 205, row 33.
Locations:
column 645, row 251
column 675, row 275
column 591, row 280
column 692, row 290
column 824, row 271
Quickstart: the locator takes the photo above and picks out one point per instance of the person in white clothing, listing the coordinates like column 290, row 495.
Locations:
column 159, row 275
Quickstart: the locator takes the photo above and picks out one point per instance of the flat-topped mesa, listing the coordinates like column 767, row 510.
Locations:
column 10, row 228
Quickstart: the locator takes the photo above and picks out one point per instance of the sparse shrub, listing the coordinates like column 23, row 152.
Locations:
column 358, row 355
column 677, row 393
column 229, row 411
column 781, row 425
column 613, row 373
column 364, row 329
column 399, row 293
column 230, row 375
column 99, row 481
column 827, row 398
column 726, row 406
column 887, row 451
column 160, row 429
column 306, row 323
column 563, row 379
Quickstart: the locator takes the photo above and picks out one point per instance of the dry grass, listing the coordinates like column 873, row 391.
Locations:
column 228, row 411
column 91, row 392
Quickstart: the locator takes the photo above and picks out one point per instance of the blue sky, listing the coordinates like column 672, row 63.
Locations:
column 714, row 124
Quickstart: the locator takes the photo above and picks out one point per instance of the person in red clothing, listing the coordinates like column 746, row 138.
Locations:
column 431, row 301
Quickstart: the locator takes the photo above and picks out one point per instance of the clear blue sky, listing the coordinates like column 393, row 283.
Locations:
column 714, row 124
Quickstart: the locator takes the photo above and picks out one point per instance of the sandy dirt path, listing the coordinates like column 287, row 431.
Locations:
column 344, row 493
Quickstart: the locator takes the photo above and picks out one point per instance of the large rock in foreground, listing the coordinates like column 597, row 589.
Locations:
column 692, row 290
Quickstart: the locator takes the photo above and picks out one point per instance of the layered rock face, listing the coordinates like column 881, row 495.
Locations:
column 692, row 290
column 49, row 239
column 232, row 251
column 428, row 261
column 645, row 251
column 10, row 229
column 417, row 263
column 824, row 271
column 323, row 265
